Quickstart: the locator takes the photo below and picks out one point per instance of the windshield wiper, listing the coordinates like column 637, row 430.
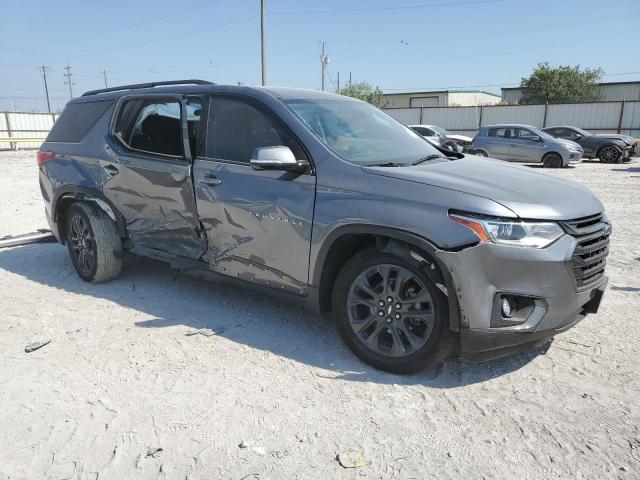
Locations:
column 433, row 156
column 386, row 164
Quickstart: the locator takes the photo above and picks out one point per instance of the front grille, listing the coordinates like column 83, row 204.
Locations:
column 590, row 255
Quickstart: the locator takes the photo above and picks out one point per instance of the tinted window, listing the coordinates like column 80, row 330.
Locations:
column 151, row 126
column 236, row 128
column 76, row 121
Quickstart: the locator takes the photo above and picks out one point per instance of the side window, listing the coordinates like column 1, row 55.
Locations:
column 523, row 134
column 151, row 126
column 554, row 132
column 500, row 132
column 428, row 132
column 236, row 128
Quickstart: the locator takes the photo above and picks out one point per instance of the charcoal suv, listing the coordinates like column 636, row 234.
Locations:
column 415, row 251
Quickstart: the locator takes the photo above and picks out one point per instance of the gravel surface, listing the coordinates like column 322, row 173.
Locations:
column 123, row 391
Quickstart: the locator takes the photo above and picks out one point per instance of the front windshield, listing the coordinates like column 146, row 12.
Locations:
column 584, row 133
column 360, row 133
column 441, row 131
column 542, row 134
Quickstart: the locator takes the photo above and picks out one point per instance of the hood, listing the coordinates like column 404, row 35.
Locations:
column 527, row 192
column 625, row 138
column 460, row 138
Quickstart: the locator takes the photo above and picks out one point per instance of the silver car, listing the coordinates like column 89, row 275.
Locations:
column 526, row 144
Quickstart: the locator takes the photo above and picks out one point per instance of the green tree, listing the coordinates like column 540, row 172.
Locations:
column 561, row 85
column 366, row 92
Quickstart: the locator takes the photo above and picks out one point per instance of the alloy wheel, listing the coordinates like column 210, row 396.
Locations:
column 82, row 244
column 390, row 310
column 609, row 154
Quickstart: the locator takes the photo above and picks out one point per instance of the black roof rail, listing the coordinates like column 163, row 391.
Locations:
column 147, row 85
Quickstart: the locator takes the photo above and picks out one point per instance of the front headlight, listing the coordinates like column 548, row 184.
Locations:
column 512, row 232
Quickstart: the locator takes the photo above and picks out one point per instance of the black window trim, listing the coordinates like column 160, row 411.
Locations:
column 257, row 104
column 178, row 98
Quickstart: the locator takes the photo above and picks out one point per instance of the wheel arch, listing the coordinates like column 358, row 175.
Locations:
column 342, row 243
column 66, row 196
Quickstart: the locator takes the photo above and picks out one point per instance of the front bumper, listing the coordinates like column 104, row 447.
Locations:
column 485, row 272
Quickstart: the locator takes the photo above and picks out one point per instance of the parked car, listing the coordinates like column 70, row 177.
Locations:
column 527, row 144
column 328, row 201
column 442, row 138
column 609, row 148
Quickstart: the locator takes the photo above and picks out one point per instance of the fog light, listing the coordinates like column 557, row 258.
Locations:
column 508, row 307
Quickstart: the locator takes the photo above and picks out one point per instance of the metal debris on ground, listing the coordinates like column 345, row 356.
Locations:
column 33, row 346
column 352, row 459
column 153, row 452
column 207, row 332
column 40, row 236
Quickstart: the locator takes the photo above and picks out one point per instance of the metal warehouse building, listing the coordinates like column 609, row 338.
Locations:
column 609, row 92
column 441, row 98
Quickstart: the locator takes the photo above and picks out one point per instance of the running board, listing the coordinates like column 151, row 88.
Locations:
column 41, row 236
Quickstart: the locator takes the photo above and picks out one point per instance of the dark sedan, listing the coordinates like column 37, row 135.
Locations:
column 609, row 148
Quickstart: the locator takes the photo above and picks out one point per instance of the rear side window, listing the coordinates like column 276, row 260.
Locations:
column 76, row 121
column 500, row 132
column 152, row 126
column 236, row 128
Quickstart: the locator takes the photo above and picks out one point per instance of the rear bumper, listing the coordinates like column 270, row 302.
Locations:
column 486, row 273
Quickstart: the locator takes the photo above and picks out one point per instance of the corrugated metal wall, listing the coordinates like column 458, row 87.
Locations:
column 601, row 117
column 13, row 124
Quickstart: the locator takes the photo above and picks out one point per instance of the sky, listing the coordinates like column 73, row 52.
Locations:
column 396, row 45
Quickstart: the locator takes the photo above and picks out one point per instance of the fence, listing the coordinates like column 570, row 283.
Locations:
column 21, row 125
column 599, row 117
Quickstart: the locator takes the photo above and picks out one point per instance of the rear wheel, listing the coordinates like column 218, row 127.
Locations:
column 389, row 312
column 93, row 242
column 481, row 153
column 552, row 160
column 610, row 154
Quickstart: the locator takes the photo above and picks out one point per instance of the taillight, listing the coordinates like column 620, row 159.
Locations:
column 44, row 157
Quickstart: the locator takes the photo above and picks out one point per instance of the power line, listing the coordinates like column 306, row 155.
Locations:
column 381, row 9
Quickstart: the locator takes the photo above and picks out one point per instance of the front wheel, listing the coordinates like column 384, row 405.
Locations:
column 480, row 153
column 94, row 245
column 552, row 160
column 610, row 154
column 389, row 312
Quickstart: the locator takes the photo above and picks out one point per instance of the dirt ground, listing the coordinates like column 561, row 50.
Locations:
column 123, row 392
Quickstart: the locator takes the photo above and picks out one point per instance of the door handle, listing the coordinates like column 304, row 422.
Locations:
column 209, row 180
column 111, row 170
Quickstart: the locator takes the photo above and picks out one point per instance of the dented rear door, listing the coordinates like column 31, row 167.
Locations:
column 148, row 177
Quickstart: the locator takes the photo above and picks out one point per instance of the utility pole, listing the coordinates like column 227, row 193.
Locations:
column 324, row 60
column 349, row 78
column 69, row 82
column 104, row 74
column 338, row 83
column 263, row 53
column 46, row 87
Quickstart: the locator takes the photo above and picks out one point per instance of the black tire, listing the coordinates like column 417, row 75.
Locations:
column 610, row 154
column 429, row 354
column 93, row 242
column 552, row 160
column 480, row 153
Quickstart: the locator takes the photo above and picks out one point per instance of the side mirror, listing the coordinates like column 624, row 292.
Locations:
column 277, row 158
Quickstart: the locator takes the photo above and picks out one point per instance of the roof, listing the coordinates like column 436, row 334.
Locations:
column 510, row 125
column 602, row 84
column 281, row 93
